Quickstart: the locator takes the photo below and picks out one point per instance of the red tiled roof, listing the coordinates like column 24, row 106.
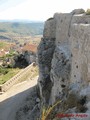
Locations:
column 30, row 47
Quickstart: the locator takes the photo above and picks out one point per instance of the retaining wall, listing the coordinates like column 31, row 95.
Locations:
column 15, row 79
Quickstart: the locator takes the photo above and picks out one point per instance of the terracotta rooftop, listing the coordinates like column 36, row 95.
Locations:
column 30, row 47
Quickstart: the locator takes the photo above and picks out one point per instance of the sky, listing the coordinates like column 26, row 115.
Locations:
column 38, row 10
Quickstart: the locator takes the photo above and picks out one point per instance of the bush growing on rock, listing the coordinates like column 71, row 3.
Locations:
column 50, row 19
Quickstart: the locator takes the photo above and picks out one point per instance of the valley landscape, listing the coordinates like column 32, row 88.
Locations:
column 20, row 31
column 45, row 69
column 18, row 41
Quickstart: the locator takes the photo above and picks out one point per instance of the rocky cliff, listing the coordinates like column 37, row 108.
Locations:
column 64, row 62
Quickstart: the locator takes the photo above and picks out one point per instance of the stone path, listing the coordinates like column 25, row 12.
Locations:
column 14, row 97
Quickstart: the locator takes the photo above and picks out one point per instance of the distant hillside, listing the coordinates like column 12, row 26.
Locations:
column 22, row 29
column 4, row 45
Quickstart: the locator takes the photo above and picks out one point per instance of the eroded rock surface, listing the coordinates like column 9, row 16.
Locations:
column 64, row 62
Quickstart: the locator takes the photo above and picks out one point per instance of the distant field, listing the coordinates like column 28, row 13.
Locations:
column 22, row 28
column 11, row 72
column 3, row 44
column 30, row 39
column 12, row 31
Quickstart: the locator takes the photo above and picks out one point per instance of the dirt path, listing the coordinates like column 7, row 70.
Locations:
column 14, row 97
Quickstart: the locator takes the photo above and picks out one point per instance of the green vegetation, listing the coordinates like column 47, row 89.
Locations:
column 20, row 32
column 11, row 54
column 50, row 19
column 3, row 70
column 23, row 29
column 3, row 44
column 88, row 12
column 7, row 73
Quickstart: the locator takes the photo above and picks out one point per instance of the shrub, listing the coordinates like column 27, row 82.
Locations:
column 50, row 19
column 3, row 71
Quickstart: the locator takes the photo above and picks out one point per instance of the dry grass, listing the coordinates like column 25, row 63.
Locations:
column 47, row 111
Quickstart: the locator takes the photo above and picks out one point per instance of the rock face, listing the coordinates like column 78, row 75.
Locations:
column 64, row 61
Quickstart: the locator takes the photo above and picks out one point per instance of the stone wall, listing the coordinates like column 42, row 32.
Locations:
column 15, row 79
column 64, row 61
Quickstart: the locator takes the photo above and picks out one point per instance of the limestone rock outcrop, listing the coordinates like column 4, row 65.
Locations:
column 64, row 61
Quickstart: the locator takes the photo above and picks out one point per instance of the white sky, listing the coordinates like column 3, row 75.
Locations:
column 38, row 9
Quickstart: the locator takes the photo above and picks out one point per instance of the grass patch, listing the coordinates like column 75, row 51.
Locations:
column 3, row 44
column 11, row 72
